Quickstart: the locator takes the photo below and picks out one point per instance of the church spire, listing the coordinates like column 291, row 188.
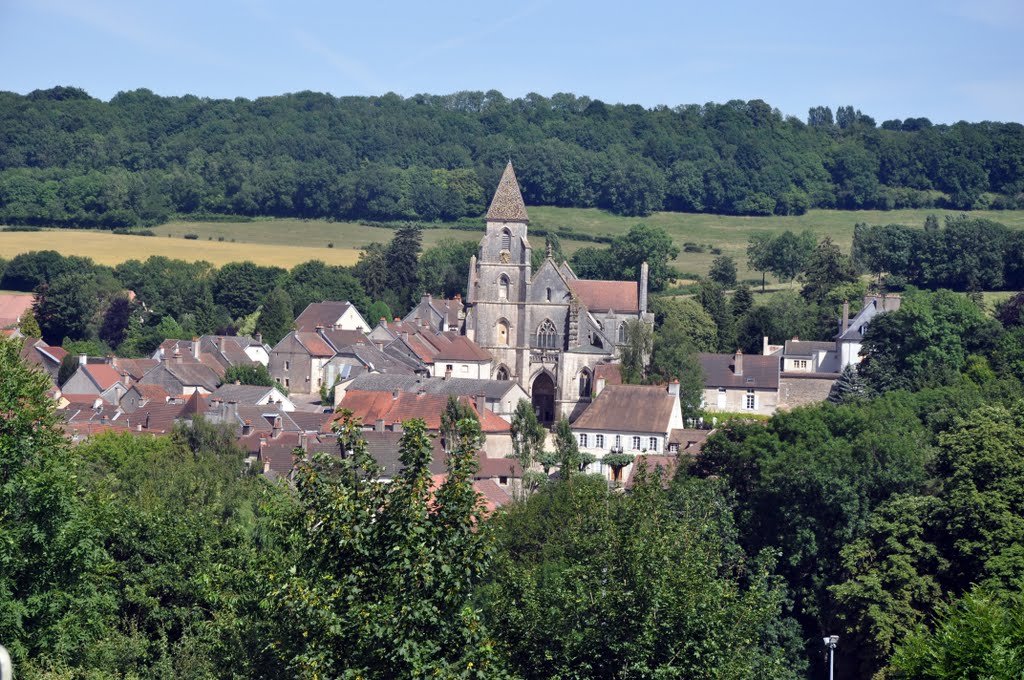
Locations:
column 507, row 204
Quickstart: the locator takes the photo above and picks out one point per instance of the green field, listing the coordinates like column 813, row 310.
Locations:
column 286, row 242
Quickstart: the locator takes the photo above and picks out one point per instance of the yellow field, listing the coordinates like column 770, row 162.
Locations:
column 109, row 249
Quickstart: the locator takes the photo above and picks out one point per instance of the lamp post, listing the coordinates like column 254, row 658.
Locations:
column 830, row 642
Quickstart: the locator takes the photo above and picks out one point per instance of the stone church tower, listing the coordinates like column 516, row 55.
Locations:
column 546, row 330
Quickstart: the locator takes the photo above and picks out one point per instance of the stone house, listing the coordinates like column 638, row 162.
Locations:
column 437, row 313
column 183, row 378
column 100, row 379
column 636, row 419
column 331, row 315
column 500, row 396
column 735, row 383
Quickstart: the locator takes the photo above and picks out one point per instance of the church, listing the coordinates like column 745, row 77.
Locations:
column 547, row 330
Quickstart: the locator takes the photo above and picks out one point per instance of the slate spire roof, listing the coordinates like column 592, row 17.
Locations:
column 507, row 204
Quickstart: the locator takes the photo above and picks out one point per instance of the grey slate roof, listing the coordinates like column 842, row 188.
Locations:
column 760, row 372
column 807, row 347
column 243, row 394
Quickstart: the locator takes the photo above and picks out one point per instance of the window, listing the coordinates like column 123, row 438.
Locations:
column 584, row 383
column 503, row 287
column 599, row 441
column 751, row 402
column 800, row 363
column 502, row 373
column 653, row 444
column 673, row 448
column 548, row 295
column 287, row 382
column 636, row 443
column 287, row 365
column 503, row 480
column 547, row 336
column 506, row 239
column 502, row 333
column 618, row 442
column 622, row 333
column 583, row 440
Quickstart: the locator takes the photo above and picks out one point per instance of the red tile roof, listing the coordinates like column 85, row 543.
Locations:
column 103, row 375
column 497, row 467
column 612, row 373
column 600, row 296
column 462, row 348
column 13, row 306
column 314, row 344
column 370, row 407
column 492, row 496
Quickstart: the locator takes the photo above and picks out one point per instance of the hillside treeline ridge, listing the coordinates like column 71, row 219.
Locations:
column 69, row 159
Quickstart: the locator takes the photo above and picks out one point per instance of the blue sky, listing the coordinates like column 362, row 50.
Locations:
column 947, row 60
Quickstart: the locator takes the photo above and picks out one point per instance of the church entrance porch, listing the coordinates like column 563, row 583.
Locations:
column 544, row 398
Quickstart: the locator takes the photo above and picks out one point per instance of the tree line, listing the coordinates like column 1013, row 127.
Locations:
column 69, row 159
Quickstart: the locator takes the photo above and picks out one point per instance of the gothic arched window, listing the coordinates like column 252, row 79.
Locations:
column 584, row 383
column 502, row 328
column 547, row 335
column 622, row 333
column 506, row 239
column 503, row 287
column 549, row 294
column 502, row 373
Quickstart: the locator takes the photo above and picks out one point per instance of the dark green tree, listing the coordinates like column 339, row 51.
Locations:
column 826, row 269
column 644, row 243
column 276, row 316
column 636, row 353
column 402, row 260
column 444, row 268
column 723, row 271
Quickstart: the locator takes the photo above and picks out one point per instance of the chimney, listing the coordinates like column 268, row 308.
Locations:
column 764, row 345
column 397, row 426
column 738, row 362
column 138, row 427
column 83, row 359
column 378, row 425
column 247, row 427
column 220, row 343
column 258, row 337
column 481, row 404
column 846, row 316
column 394, row 395
column 195, row 348
column 673, row 388
column 277, row 426
column 232, row 410
column 147, row 421
column 177, row 356
column 302, row 441
column 599, row 386
column 447, row 373
column 644, row 275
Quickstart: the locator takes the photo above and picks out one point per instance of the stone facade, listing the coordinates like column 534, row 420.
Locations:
column 546, row 330
column 800, row 389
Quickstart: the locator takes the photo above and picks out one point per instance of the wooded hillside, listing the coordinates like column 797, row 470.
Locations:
column 69, row 159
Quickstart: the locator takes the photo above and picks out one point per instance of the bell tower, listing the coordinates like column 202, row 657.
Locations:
column 499, row 279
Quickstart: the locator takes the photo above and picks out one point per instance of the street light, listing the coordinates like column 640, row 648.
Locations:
column 830, row 642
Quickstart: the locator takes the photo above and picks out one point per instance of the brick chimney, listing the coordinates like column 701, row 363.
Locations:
column 447, row 373
column 195, row 348
column 276, row 430
column 247, row 427
column 673, row 388
column 221, row 343
column 738, row 362
column 177, row 356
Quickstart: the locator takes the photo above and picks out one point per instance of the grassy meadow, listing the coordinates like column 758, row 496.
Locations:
column 286, row 242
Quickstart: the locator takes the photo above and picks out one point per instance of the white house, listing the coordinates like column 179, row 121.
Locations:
column 632, row 419
column 331, row 315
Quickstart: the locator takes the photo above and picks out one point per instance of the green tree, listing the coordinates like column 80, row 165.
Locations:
column 723, row 271
column 249, row 374
column 789, row 254
column 276, row 316
column 679, row 320
column 29, row 326
column 848, row 387
column 444, row 268
column 528, row 437
column 595, row 263
column 402, row 259
column 975, row 636
column 116, row 321
column 239, row 286
column 636, row 353
column 644, row 243
column 712, row 298
column 826, row 269
column 410, row 555
column 573, row 593
column 759, row 253
column 570, row 459
column 742, row 301
column 377, row 311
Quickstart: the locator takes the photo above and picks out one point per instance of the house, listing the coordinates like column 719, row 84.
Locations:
column 546, row 329
column 628, row 419
column 298, row 361
column 83, row 420
column 252, row 395
column 500, row 396
column 139, row 396
column 219, row 352
column 331, row 315
column 688, row 441
column 183, row 378
column 14, row 306
column 383, row 411
column 439, row 314
column 439, row 353
column 851, row 331
column 46, row 357
column 738, row 383
column 100, row 379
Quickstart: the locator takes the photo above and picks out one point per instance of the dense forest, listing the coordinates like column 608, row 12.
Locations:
column 72, row 160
